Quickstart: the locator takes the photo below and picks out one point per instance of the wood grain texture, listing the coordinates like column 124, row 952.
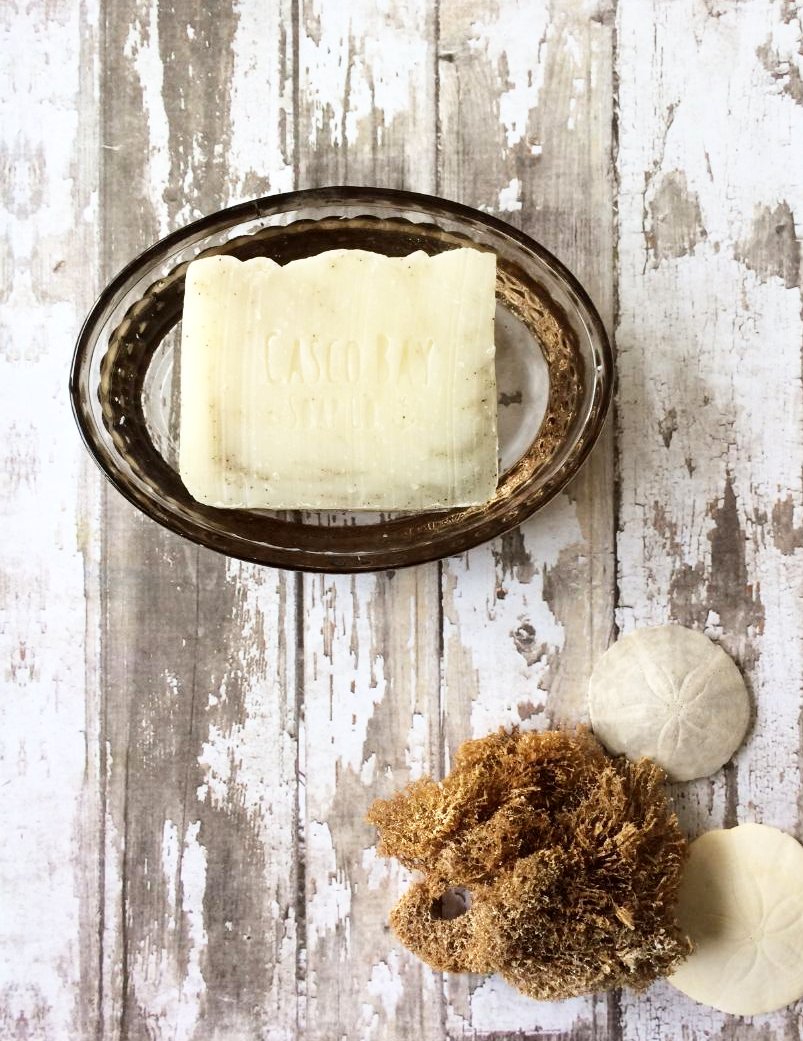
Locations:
column 526, row 109
column 366, row 115
column 48, row 741
column 189, row 744
column 200, row 715
column 710, row 431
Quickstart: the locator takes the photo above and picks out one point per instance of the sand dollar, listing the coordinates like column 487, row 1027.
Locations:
column 671, row 694
column 741, row 902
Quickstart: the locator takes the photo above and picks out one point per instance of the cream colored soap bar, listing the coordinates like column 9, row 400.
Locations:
column 349, row 380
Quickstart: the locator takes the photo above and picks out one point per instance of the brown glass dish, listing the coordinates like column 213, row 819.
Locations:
column 554, row 371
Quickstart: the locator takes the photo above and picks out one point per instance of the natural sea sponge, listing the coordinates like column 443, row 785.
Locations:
column 544, row 860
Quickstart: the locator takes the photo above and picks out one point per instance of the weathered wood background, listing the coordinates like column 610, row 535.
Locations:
column 188, row 743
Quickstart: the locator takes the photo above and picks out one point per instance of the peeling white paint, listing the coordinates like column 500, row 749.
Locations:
column 338, row 616
column 260, row 157
column 570, row 48
column 142, row 48
column 572, row 106
column 361, row 72
column 170, row 995
column 519, row 634
column 48, row 120
column 251, row 763
column 510, row 197
column 385, row 984
column 329, row 901
column 370, row 697
column 415, row 754
column 111, row 907
column 520, row 55
column 502, row 677
column 377, row 868
column 702, row 330
column 193, row 885
column 703, row 335
column 496, row 1007
column 784, row 47
column 368, row 770
column 171, row 848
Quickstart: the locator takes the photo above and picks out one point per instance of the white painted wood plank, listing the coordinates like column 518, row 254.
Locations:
column 202, row 934
column 710, row 407
column 366, row 93
column 371, row 725
column 48, row 759
column 371, row 679
column 711, row 526
column 525, row 116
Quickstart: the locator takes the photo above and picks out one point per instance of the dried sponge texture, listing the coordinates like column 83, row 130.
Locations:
column 569, row 863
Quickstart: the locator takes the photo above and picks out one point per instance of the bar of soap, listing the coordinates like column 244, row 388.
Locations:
column 741, row 902
column 348, row 380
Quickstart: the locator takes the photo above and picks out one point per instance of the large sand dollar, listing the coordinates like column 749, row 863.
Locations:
column 671, row 694
column 741, row 903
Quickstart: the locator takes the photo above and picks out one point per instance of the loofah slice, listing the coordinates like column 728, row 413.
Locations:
column 543, row 860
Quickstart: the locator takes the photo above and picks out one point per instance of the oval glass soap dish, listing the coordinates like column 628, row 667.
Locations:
column 554, row 370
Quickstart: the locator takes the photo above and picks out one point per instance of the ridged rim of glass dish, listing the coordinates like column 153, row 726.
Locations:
column 450, row 539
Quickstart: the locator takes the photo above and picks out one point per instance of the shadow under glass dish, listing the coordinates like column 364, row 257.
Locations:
column 554, row 376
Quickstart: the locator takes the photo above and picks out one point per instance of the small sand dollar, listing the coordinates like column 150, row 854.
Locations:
column 741, row 902
column 671, row 694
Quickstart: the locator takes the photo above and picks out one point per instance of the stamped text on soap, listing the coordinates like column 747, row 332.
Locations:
column 311, row 361
column 331, row 383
